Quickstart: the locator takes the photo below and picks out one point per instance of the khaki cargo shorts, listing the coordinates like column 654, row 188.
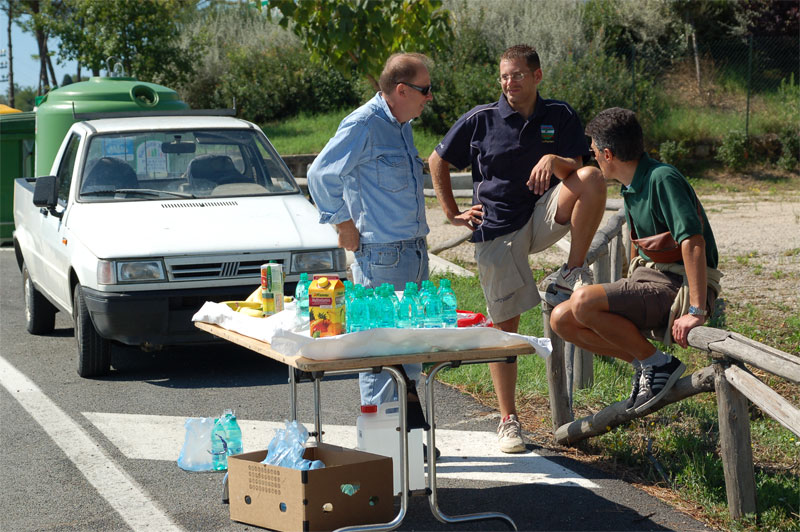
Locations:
column 505, row 274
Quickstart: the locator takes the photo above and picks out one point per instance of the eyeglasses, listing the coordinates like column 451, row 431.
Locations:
column 516, row 76
column 423, row 90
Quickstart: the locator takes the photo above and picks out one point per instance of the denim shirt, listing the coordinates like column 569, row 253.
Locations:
column 371, row 172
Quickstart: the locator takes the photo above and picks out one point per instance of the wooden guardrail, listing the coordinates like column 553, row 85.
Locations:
column 727, row 375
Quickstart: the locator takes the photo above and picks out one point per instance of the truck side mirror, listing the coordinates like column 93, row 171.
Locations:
column 45, row 193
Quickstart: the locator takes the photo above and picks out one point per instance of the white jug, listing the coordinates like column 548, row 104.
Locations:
column 378, row 433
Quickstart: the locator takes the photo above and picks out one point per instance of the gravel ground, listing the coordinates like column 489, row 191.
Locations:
column 757, row 233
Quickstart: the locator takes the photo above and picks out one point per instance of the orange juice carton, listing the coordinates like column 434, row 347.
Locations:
column 326, row 311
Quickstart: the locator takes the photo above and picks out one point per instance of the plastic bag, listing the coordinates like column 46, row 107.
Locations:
column 287, row 447
column 196, row 452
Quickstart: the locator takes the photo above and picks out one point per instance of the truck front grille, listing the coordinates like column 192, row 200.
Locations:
column 209, row 268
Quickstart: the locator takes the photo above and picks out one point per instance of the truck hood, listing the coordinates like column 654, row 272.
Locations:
column 212, row 225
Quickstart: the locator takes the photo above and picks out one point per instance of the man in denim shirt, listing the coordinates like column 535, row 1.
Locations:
column 368, row 182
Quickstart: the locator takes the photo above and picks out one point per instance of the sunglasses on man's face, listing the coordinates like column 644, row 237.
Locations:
column 423, row 90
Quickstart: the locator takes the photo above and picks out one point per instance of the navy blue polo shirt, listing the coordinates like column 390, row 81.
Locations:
column 502, row 148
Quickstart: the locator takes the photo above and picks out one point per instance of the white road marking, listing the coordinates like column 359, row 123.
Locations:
column 120, row 491
column 465, row 454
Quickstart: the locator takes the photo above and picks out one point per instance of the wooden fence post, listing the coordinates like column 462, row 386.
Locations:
column 736, row 448
column 560, row 409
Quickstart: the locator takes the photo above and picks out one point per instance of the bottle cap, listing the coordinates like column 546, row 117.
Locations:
column 323, row 282
column 369, row 409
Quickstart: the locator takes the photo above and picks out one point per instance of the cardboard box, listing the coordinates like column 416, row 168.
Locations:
column 290, row 500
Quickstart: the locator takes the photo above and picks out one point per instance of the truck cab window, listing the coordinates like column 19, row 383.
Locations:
column 65, row 170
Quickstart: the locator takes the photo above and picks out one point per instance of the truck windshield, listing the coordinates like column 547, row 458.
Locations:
column 151, row 165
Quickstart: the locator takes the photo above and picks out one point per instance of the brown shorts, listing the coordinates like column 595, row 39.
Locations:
column 646, row 297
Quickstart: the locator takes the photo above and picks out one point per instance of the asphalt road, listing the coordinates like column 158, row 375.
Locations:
column 99, row 454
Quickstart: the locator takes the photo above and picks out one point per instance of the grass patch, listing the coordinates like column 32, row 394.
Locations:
column 309, row 133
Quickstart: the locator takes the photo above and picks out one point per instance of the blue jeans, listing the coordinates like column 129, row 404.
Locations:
column 395, row 263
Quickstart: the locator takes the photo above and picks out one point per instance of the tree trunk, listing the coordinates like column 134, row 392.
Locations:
column 49, row 63
column 10, row 57
column 696, row 61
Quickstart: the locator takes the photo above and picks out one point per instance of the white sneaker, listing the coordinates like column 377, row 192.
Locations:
column 558, row 286
column 509, row 435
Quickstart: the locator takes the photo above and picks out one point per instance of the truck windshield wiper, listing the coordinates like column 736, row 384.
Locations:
column 154, row 192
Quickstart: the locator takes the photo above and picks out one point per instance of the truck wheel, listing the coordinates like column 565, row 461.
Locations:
column 94, row 351
column 40, row 314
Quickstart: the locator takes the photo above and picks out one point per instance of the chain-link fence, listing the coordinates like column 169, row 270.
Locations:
column 751, row 84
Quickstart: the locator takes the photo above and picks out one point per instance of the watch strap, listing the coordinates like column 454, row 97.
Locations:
column 696, row 311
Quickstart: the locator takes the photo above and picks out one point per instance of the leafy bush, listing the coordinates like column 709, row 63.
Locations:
column 672, row 152
column 595, row 81
column 790, row 149
column 462, row 77
column 732, row 152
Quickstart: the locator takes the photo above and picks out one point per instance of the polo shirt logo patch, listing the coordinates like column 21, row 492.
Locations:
column 548, row 132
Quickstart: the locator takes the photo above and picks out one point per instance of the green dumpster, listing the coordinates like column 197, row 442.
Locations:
column 17, row 135
column 54, row 115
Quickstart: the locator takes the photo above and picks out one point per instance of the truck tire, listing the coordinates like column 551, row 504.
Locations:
column 40, row 314
column 94, row 351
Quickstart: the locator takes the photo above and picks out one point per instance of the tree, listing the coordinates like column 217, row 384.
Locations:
column 142, row 36
column 360, row 35
column 39, row 12
column 9, row 8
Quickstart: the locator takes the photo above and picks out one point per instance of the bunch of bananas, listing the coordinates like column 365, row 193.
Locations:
column 251, row 308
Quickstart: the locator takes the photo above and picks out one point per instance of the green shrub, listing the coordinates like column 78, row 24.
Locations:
column 732, row 152
column 595, row 81
column 672, row 152
column 790, row 149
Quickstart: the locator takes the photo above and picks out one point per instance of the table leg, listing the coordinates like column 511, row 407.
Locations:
column 292, row 395
column 431, row 456
column 402, row 395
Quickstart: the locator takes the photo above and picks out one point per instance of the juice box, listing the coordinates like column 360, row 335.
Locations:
column 326, row 310
column 271, row 288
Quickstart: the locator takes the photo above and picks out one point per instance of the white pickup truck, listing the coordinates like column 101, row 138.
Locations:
column 144, row 218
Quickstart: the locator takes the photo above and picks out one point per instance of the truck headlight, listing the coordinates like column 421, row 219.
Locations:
column 315, row 261
column 130, row 271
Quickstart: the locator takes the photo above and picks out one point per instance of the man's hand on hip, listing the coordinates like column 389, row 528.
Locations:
column 471, row 217
column 348, row 235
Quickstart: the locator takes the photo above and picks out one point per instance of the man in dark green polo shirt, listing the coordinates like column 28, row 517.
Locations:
column 679, row 294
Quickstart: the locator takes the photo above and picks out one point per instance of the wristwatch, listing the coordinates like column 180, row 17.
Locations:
column 696, row 311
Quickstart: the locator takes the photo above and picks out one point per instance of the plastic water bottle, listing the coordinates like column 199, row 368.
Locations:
column 387, row 314
column 219, row 446
column 374, row 307
column 394, row 298
column 301, row 296
column 233, row 432
column 449, row 304
column 377, row 432
column 349, row 294
column 359, row 312
column 431, row 305
column 408, row 310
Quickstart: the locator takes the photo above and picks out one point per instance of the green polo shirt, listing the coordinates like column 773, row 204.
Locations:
column 660, row 199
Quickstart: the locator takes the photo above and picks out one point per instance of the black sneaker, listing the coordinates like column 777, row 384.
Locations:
column 637, row 374
column 656, row 381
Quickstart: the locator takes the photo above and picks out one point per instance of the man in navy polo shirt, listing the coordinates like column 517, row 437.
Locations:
column 529, row 190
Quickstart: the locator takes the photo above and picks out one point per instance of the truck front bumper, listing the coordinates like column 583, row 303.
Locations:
column 159, row 317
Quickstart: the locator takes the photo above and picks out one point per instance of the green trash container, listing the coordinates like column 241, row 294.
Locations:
column 17, row 136
column 54, row 115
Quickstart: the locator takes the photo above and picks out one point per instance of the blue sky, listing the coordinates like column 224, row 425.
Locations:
column 26, row 69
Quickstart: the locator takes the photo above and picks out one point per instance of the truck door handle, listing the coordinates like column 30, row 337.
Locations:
column 44, row 211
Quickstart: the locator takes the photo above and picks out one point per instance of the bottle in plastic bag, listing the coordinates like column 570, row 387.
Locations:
column 449, row 304
column 233, row 432
column 196, row 451
column 301, row 296
column 219, row 446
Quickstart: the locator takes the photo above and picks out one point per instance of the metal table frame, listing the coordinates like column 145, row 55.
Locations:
column 315, row 370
